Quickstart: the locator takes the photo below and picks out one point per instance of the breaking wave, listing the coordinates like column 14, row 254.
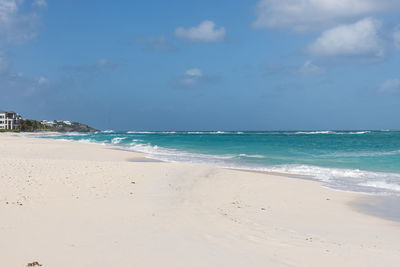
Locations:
column 117, row 140
column 337, row 163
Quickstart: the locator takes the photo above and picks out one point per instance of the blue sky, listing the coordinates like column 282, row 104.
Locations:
column 203, row 65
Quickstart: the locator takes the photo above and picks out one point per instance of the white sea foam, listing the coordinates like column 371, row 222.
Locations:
column 84, row 141
column 174, row 155
column 75, row 134
column 382, row 185
column 139, row 132
column 117, row 140
column 321, row 173
column 252, row 156
column 90, row 141
column 314, row 132
column 332, row 132
column 108, row 131
column 45, row 135
column 344, row 179
column 361, row 132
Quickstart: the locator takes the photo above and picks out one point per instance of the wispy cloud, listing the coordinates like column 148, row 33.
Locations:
column 16, row 26
column 39, row 3
column 308, row 68
column 193, row 77
column 160, row 44
column 42, row 80
column 357, row 39
column 390, row 86
column 99, row 65
column 305, row 15
column 22, row 85
column 204, row 32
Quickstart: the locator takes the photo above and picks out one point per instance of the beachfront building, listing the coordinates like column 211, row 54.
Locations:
column 9, row 120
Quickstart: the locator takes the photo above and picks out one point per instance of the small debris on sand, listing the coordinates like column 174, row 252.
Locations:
column 35, row 263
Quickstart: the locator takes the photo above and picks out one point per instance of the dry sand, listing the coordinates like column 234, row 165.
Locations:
column 73, row 204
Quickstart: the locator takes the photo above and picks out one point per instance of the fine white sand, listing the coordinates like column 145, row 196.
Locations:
column 73, row 204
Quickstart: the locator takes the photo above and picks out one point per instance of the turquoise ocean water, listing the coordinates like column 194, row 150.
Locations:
column 362, row 161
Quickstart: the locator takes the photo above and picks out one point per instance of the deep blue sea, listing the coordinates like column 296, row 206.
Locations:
column 361, row 161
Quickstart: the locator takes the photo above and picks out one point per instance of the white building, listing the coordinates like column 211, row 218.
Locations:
column 9, row 120
column 48, row 123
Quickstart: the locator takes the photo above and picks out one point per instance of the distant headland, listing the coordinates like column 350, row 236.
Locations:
column 13, row 122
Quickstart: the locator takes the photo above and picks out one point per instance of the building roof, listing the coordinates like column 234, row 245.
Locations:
column 8, row 112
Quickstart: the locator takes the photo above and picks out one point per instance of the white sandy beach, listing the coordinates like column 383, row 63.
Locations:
column 73, row 204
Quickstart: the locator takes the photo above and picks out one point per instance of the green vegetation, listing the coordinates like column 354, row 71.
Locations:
column 56, row 126
column 9, row 131
column 33, row 126
column 61, row 126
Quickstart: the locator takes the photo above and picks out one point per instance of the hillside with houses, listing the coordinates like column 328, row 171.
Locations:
column 12, row 121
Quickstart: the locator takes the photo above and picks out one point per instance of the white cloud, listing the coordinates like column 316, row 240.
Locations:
column 303, row 15
column 19, row 84
column 191, row 77
column 8, row 8
column 39, row 3
column 194, row 77
column 204, row 32
column 16, row 26
column 396, row 37
column 309, row 68
column 358, row 39
column 390, row 86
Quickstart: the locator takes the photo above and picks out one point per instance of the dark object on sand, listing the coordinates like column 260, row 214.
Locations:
column 35, row 263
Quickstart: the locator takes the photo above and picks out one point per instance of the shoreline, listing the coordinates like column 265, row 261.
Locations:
column 312, row 177
column 368, row 203
column 109, row 207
